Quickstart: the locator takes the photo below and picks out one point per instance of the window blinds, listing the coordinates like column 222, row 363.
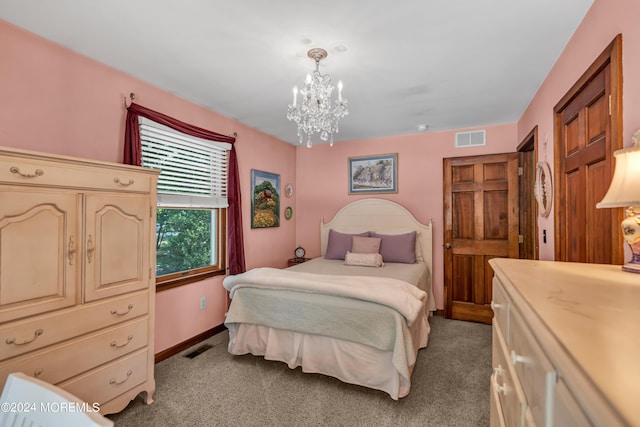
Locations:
column 193, row 170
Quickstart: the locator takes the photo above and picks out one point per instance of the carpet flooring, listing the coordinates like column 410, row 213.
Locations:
column 450, row 387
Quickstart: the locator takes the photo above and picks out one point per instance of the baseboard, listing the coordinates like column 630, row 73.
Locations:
column 439, row 313
column 172, row 351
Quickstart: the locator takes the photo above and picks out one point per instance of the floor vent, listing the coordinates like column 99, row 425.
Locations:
column 198, row 351
column 471, row 139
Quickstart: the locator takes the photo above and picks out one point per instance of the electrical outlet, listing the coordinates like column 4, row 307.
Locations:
column 203, row 303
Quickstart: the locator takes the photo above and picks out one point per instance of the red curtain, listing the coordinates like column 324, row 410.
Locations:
column 133, row 156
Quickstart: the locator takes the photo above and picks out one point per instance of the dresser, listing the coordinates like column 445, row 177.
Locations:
column 77, row 275
column 566, row 344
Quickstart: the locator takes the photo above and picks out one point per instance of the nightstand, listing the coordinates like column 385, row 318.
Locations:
column 295, row 261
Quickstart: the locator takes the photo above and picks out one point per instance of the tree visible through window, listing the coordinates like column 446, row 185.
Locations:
column 184, row 240
column 192, row 197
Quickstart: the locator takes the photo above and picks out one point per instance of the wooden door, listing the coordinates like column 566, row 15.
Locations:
column 39, row 233
column 116, row 239
column 528, row 152
column 587, row 133
column 481, row 220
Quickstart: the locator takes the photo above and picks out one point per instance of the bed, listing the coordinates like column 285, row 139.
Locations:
column 361, row 324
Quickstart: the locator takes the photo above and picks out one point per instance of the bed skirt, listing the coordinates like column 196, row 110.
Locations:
column 347, row 361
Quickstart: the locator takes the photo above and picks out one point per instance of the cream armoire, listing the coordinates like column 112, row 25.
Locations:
column 77, row 275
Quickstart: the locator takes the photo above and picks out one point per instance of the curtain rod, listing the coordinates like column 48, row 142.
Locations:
column 132, row 96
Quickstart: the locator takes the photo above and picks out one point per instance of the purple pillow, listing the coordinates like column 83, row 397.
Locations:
column 339, row 243
column 398, row 247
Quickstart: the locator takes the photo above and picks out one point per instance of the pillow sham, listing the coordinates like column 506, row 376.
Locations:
column 339, row 243
column 364, row 260
column 365, row 245
column 398, row 247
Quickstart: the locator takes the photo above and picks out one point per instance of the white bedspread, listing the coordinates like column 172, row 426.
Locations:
column 397, row 294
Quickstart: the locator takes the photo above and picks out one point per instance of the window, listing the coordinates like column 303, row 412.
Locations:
column 192, row 202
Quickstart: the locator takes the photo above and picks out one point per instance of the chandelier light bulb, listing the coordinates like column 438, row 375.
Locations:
column 316, row 114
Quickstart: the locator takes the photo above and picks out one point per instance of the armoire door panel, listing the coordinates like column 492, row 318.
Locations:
column 116, row 245
column 42, row 227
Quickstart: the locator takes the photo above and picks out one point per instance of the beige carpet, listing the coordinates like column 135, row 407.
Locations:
column 450, row 387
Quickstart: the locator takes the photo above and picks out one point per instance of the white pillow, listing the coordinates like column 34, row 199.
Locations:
column 366, row 260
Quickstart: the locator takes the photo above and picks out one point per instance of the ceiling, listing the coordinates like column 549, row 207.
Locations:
column 447, row 64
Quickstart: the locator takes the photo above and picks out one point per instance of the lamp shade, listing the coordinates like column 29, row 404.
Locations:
column 624, row 190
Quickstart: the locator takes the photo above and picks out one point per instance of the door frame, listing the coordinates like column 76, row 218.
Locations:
column 612, row 55
column 527, row 200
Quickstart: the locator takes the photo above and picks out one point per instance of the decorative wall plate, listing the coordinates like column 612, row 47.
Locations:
column 288, row 213
column 288, row 190
column 543, row 189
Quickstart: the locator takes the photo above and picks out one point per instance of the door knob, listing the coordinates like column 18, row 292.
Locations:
column 447, row 245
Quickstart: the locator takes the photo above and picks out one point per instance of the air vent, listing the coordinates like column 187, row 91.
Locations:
column 471, row 139
column 198, row 351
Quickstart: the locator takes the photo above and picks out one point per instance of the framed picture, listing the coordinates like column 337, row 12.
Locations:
column 265, row 200
column 373, row 174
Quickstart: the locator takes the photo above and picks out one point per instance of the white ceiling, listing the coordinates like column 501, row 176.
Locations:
column 449, row 64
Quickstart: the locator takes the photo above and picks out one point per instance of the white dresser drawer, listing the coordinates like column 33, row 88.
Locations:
column 111, row 380
column 500, row 305
column 496, row 410
column 566, row 411
column 504, row 383
column 535, row 372
column 60, row 362
column 48, row 329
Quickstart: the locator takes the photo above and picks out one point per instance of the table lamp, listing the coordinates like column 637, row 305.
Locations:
column 624, row 191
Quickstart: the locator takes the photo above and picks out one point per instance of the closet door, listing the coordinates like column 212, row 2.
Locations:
column 39, row 252
column 116, row 244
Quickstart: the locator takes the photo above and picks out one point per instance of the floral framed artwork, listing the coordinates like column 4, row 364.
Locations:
column 265, row 200
column 373, row 174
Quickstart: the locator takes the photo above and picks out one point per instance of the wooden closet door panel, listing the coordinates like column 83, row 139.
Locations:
column 116, row 245
column 39, row 242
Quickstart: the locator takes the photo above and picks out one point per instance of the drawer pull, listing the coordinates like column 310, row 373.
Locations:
column 124, row 184
column 495, row 306
column 116, row 382
column 16, row 170
column 36, row 334
column 71, row 250
column 515, row 359
column 115, row 344
column 500, row 388
column 90, row 249
column 498, row 371
column 38, row 372
column 115, row 312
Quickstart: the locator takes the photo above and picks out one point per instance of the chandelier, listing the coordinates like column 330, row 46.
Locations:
column 314, row 113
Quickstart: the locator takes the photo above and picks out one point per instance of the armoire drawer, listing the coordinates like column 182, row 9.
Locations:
column 108, row 381
column 41, row 331
column 33, row 171
column 63, row 361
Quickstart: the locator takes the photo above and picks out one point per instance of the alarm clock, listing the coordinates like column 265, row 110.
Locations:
column 299, row 252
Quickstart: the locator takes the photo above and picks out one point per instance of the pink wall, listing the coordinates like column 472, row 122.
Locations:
column 603, row 22
column 43, row 85
column 322, row 181
column 56, row 101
